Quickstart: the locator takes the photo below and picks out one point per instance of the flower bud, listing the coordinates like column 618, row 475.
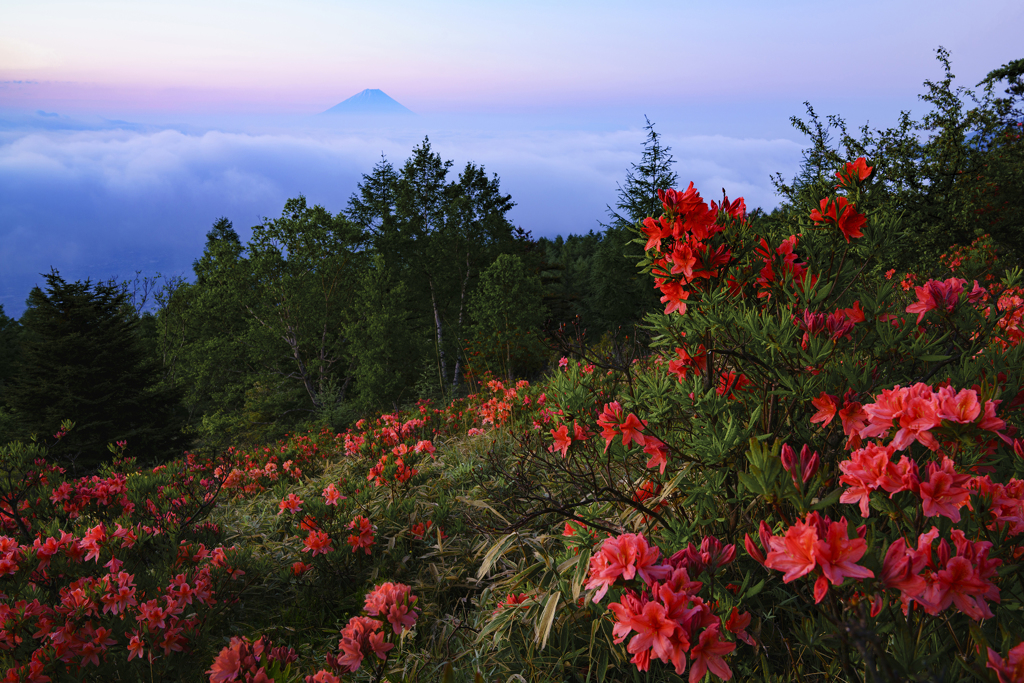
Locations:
column 808, row 463
column 789, row 461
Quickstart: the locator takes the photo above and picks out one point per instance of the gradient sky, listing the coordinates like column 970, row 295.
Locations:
column 127, row 128
column 306, row 55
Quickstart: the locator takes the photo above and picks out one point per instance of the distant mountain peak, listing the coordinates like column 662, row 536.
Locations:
column 369, row 102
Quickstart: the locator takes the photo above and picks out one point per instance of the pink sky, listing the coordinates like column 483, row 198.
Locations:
column 303, row 56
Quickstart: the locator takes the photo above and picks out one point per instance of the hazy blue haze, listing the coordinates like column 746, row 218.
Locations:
column 98, row 198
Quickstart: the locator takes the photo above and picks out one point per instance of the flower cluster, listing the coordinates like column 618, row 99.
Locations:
column 681, row 239
column 939, row 580
column 363, row 636
column 248, row 662
column 817, row 545
column 669, row 618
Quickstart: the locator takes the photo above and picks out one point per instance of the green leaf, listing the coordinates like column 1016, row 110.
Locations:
column 547, row 619
column 496, row 551
column 830, row 499
column 582, row 566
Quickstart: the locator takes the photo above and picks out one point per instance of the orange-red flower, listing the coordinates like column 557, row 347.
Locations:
column 854, row 172
column 707, row 655
column 562, row 440
column 364, row 536
column 839, row 211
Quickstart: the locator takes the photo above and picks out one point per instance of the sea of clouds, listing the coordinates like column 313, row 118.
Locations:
column 100, row 199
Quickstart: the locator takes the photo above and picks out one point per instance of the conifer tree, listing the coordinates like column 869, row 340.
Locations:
column 82, row 360
column 508, row 311
column 619, row 294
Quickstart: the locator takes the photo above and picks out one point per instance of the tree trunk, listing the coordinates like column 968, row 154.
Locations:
column 462, row 307
column 442, row 366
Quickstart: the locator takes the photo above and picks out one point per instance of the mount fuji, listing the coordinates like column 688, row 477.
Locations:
column 370, row 103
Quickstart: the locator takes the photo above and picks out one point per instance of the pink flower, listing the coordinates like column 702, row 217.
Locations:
column 841, row 213
column 944, row 492
column 919, row 415
column 624, row 556
column 318, row 542
column 359, row 638
column 654, row 632
column 738, row 623
column 562, row 440
column 837, row 555
column 654, row 447
column 818, row 542
column 292, row 504
column 899, row 572
column 1010, row 670
column 394, row 601
column 854, row 172
column 707, row 655
column 864, row 473
column 364, row 537
column 961, row 407
column 958, row 584
column 609, row 419
column 631, row 430
column 826, row 405
column 794, row 553
column 424, row 446
column 136, row 648
column 226, row 665
column 331, row 495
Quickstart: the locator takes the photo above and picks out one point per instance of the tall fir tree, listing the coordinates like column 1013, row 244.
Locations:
column 81, row 360
column 619, row 293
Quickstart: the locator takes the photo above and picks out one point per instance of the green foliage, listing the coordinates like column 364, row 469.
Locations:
column 82, row 358
column 507, row 315
column 203, row 333
column 9, row 332
column 384, row 347
column 436, row 235
column 594, row 276
column 952, row 176
column 259, row 339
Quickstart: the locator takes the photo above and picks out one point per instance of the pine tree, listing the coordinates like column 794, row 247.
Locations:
column 620, row 295
column 81, row 359
column 638, row 198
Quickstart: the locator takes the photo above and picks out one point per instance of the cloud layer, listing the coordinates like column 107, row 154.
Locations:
column 105, row 203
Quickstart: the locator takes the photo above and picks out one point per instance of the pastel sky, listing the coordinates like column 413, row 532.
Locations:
column 305, row 55
column 127, row 128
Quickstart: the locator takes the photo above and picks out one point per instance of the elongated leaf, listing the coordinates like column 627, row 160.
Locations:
column 830, row 499
column 480, row 504
column 547, row 619
column 582, row 566
column 496, row 551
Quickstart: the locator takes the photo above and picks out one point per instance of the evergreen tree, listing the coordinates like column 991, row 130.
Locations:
column 383, row 345
column 9, row 332
column 507, row 310
column 618, row 293
column 203, row 331
column 436, row 235
column 952, row 176
column 9, row 336
column 638, row 197
column 81, row 360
